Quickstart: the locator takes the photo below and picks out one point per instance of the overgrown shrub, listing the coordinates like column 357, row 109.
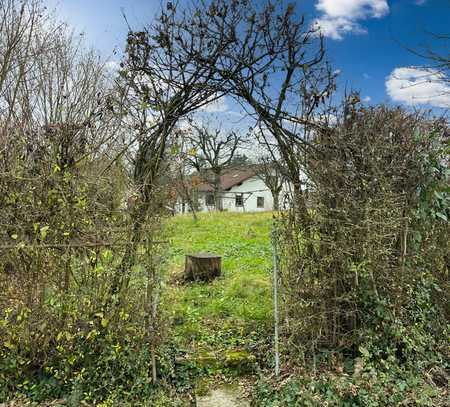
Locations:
column 62, row 330
column 369, row 272
column 78, row 307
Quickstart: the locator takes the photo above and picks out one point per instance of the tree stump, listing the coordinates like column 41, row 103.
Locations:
column 202, row 267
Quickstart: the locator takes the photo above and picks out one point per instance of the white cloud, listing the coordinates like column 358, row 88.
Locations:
column 216, row 106
column 415, row 86
column 340, row 17
column 420, row 2
column 353, row 9
column 367, row 99
column 366, row 76
column 112, row 66
column 336, row 28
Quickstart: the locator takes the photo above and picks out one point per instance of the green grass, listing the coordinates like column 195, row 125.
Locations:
column 235, row 310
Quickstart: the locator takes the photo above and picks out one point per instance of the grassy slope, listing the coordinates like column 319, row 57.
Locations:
column 234, row 311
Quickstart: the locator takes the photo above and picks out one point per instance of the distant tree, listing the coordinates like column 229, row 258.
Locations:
column 215, row 151
column 270, row 172
column 184, row 181
column 240, row 160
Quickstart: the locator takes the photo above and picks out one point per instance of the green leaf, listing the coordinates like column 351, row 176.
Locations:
column 442, row 216
column 107, row 255
column 44, row 230
column 364, row 352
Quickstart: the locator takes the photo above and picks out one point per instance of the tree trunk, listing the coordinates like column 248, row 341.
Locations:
column 202, row 267
column 194, row 213
column 192, row 206
column 218, row 192
column 276, row 200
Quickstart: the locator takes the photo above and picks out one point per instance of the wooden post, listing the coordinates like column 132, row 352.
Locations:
column 151, row 307
column 202, row 267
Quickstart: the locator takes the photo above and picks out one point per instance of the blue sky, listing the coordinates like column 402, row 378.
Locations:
column 365, row 39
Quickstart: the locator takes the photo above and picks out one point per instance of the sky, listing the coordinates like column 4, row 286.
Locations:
column 366, row 41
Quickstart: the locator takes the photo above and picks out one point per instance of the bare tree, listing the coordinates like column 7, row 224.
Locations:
column 275, row 66
column 168, row 73
column 183, row 180
column 215, row 151
column 267, row 57
column 69, row 100
column 271, row 173
column 20, row 24
column 51, row 87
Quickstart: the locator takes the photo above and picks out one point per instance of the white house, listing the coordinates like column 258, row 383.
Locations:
column 242, row 191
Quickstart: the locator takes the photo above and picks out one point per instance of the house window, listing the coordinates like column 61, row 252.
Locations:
column 260, row 202
column 209, row 200
column 239, row 200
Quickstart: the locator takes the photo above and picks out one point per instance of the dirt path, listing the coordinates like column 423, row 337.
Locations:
column 225, row 396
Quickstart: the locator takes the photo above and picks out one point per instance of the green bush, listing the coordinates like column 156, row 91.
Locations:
column 88, row 360
column 372, row 388
column 366, row 274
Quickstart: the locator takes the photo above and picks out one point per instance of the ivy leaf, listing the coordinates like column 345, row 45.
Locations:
column 364, row 352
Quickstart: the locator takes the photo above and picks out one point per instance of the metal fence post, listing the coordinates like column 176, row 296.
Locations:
column 275, row 299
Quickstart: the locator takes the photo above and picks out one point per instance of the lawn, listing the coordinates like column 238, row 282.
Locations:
column 232, row 314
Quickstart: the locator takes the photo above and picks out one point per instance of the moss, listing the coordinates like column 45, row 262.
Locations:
column 207, row 360
column 240, row 361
